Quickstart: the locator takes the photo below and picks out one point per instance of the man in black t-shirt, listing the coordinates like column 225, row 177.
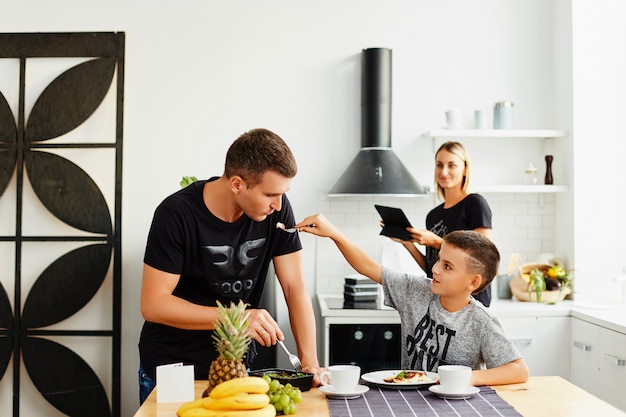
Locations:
column 214, row 240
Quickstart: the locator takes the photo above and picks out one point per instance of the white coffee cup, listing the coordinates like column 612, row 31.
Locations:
column 454, row 119
column 454, row 378
column 341, row 378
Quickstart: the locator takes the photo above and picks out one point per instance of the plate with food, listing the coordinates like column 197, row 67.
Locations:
column 400, row 379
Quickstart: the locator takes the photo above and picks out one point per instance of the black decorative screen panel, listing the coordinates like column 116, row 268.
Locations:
column 61, row 124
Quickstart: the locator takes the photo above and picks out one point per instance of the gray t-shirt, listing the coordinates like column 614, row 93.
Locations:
column 433, row 336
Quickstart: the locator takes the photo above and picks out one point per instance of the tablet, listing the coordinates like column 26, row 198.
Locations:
column 395, row 222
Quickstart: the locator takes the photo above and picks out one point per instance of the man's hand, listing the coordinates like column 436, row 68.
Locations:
column 316, row 371
column 263, row 328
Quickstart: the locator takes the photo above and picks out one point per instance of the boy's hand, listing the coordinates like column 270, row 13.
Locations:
column 318, row 225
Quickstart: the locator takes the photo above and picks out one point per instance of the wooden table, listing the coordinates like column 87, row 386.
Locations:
column 540, row 396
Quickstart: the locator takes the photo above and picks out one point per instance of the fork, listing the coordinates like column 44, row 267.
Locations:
column 295, row 361
column 281, row 226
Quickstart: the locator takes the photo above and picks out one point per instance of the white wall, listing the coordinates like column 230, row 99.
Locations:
column 199, row 73
column 599, row 63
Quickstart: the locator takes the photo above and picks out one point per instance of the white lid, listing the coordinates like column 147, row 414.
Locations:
column 531, row 169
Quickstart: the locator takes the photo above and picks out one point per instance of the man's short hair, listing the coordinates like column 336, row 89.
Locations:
column 257, row 151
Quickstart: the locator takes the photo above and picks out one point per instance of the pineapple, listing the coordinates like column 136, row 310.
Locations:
column 231, row 342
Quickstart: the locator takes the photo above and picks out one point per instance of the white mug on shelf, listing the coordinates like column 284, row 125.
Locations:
column 454, row 119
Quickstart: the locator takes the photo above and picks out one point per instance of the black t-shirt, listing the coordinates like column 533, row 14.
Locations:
column 216, row 260
column 471, row 213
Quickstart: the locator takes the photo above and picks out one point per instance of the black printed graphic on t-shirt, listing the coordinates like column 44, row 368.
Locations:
column 428, row 346
column 235, row 267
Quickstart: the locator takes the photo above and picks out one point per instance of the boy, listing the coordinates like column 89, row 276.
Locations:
column 441, row 322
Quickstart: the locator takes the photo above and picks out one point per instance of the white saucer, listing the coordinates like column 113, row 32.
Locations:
column 360, row 389
column 466, row 393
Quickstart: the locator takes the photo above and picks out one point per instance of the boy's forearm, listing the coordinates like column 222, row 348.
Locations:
column 357, row 258
column 511, row 373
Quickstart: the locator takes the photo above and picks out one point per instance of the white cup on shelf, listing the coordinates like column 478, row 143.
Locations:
column 454, row 119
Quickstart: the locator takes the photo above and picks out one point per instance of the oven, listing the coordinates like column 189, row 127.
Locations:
column 371, row 346
column 363, row 334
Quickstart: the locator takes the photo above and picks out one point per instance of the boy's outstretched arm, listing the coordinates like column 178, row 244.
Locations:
column 356, row 257
column 510, row 373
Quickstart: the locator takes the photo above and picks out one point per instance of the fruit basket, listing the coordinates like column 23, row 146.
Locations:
column 524, row 290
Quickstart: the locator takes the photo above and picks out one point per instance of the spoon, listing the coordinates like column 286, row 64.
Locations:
column 281, row 226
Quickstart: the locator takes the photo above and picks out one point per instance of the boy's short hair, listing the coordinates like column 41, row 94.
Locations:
column 484, row 257
column 257, row 151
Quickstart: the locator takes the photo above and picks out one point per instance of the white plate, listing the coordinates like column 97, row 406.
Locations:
column 360, row 389
column 378, row 378
column 466, row 393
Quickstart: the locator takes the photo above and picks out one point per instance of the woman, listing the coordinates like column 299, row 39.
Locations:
column 461, row 210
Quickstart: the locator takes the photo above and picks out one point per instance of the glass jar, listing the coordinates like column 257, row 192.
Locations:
column 503, row 115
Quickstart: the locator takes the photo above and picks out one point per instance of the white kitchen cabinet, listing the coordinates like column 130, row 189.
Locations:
column 598, row 361
column 543, row 342
column 585, row 356
column 532, row 134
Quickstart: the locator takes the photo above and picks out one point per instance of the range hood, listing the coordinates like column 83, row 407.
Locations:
column 376, row 169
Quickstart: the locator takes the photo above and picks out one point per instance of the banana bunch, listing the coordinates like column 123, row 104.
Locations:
column 238, row 397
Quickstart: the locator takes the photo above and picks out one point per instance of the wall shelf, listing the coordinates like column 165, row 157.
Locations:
column 460, row 134
column 494, row 133
column 539, row 188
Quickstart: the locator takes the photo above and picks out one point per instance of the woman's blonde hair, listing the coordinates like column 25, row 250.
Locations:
column 459, row 150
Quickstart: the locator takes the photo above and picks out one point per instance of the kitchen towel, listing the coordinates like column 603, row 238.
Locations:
column 378, row 402
column 397, row 258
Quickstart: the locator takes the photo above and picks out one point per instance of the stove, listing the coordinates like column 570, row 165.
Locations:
column 341, row 304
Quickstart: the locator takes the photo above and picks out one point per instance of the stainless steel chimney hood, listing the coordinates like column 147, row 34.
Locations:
column 376, row 169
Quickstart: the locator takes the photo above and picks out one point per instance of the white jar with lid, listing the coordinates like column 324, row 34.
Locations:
column 503, row 115
column 531, row 175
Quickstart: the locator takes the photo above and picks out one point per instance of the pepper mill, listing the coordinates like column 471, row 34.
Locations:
column 548, row 179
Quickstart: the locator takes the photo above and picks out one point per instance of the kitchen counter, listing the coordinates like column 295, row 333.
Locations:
column 612, row 317
column 609, row 316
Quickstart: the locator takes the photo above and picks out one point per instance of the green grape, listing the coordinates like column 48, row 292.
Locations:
column 297, row 396
column 274, row 385
column 285, row 400
column 284, row 397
